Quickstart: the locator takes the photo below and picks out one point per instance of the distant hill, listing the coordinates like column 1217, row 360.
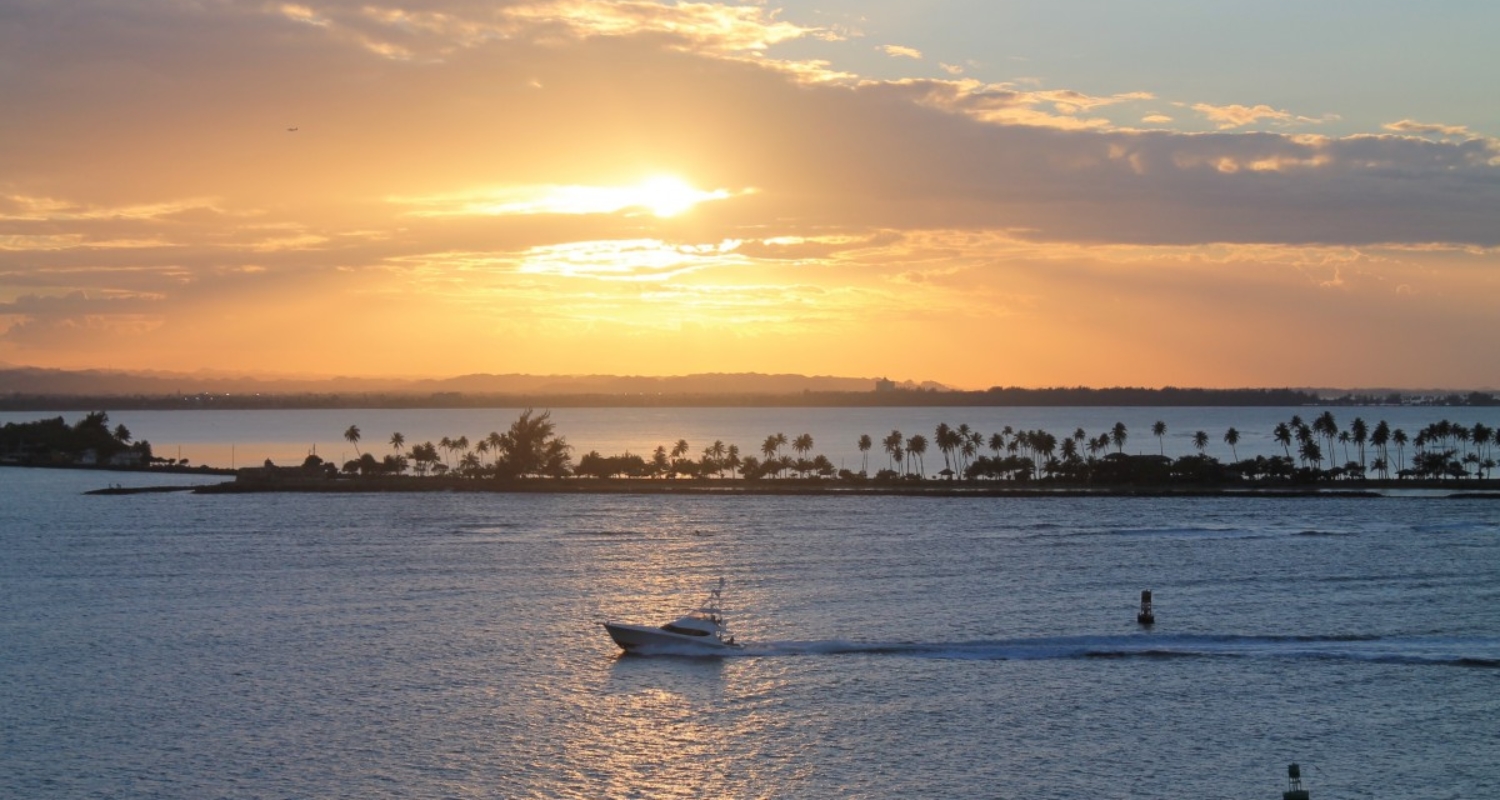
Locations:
column 95, row 383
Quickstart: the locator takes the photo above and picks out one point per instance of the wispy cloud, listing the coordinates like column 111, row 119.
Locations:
column 897, row 51
column 1419, row 128
column 1239, row 116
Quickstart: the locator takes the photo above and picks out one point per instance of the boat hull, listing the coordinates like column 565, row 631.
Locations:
column 638, row 637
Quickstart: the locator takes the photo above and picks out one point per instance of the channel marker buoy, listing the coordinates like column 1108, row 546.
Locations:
column 1145, row 616
column 1294, row 790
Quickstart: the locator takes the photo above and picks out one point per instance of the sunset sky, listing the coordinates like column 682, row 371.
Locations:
column 977, row 192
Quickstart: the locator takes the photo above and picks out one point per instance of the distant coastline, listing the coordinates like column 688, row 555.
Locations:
column 36, row 389
column 1075, row 397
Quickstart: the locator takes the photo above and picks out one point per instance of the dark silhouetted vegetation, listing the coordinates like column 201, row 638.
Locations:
column 87, row 442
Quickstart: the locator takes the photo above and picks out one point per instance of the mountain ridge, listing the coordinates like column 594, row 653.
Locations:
column 96, row 382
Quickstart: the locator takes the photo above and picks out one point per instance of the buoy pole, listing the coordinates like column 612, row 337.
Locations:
column 1146, row 616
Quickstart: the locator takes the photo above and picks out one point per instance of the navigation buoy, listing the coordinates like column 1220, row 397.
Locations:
column 1294, row 790
column 1145, row 617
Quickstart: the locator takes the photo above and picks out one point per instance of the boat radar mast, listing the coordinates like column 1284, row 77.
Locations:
column 1294, row 790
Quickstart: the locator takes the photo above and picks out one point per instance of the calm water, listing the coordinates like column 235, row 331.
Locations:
column 247, row 438
column 447, row 646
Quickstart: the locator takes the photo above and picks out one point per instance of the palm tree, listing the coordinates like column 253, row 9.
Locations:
column 1399, row 437
column 946, row 442
column 1159, row 429
column 997, row 443
column 1118, row 435
column 397, row 441
column 892, row 445
column 1044, row 444
column 865, row 443
column 1200, row 441
column 1232, row 438
column 732, row 459
column 1305, row 436
column 917, row 446
column 1310, row 452
column 962, row 435
column 1283, row 436
column 352, row 436
column 680, row 449
column 803, row 444
column 497, row 446
column 1328, row 427
column 719, row 452
column 1361, row 433
column 768, row 447
column 1379, row 439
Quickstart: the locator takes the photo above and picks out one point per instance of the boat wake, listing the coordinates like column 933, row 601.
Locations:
column 1456, row 651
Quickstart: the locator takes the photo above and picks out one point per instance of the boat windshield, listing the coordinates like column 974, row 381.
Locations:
column 672, row 627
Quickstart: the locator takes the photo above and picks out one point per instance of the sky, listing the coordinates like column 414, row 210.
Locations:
column 977, row 192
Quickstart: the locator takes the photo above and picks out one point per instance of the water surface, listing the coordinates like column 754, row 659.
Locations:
column 447, row 645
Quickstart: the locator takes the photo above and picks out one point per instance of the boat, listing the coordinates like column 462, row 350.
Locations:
column 701, row 629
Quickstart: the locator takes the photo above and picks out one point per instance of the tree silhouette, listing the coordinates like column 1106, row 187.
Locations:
column 864, row 444
column 1361, row 434
column 397, row 441
column 917, row 447
column 892, row 445
column 531, row 448
column 1380, row 439
column 1283, row 436
column 352, row 435
column 1118, row 434
column 1232, row 438
column 718, row 452
column 1159, row 430
column 803, row 445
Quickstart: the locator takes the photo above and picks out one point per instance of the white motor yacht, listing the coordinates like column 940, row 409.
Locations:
column 703, row 628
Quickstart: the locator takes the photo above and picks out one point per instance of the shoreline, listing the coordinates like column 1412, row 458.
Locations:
column 1482, row 489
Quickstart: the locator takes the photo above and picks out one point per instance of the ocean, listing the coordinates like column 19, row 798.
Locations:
column 448, row 645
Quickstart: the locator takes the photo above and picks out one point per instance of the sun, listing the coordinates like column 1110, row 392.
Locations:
column 668, row 196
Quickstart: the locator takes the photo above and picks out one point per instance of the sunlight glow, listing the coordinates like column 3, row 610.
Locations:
column 630, row 260
column 660, row 196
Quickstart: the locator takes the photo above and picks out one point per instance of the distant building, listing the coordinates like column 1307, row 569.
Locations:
column 885, row 385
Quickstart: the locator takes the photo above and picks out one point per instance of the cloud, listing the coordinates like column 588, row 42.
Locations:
column 897, row 51
column 1236, row 116
column 1003, row 103
column 1418, row 128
